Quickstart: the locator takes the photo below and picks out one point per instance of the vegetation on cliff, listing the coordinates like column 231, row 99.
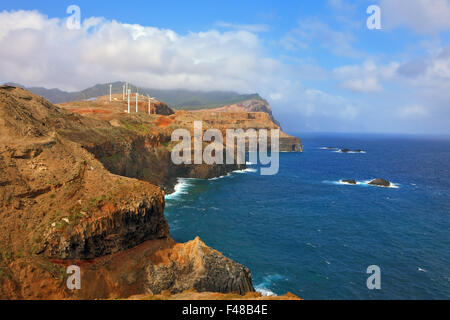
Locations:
column 84, row 184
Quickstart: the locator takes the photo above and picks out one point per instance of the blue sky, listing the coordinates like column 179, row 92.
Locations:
column 316, row 62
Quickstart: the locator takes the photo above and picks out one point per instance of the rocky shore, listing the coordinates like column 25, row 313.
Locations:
column 84, row 184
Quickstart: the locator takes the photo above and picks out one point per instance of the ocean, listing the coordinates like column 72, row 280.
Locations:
column 304, row 232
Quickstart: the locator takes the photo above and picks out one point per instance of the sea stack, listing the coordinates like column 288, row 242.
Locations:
column 380, row 182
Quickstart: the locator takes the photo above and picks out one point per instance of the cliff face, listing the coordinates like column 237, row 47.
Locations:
column 60, row 205
column 249, row 114
column 194, row 265
column 84, row 184
column 137, row 145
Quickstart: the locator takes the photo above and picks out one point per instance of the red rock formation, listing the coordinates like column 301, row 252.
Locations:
column 60, row 206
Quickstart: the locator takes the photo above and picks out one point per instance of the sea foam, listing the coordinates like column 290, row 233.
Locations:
column 364, row 183
column 180, row 188
column 248, row 170
column 353, row 152
column 264, row 286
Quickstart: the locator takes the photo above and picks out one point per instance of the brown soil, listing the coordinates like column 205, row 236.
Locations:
column 83, row 183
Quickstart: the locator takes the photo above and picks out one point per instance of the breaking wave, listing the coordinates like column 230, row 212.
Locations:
column 181, row 188
column 267, row 283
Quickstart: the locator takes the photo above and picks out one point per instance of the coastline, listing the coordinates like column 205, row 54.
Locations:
column 103, row 207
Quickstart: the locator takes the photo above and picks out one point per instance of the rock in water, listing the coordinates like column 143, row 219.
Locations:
column 351, row 181
column 345, row 150
column 380, row 182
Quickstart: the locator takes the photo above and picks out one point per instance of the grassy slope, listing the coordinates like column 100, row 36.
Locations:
column 177, row 98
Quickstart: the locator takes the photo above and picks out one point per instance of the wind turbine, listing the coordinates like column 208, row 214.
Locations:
column 137, row 98
column 129, row 92
column 150, row 104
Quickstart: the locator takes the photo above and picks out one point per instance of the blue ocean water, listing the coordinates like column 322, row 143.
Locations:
column 304, row 232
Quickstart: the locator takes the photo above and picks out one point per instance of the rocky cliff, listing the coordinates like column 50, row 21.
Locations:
column 195, row 265
column 253, row 113
column 69, row 195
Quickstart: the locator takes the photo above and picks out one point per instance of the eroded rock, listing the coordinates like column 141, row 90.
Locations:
column 380, row 182
column 194, row 265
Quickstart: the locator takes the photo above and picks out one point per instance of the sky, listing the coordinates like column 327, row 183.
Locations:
column 317, row 62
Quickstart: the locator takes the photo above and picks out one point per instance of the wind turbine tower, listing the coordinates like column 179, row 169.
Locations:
column 137, row 98
column 129, row 110
column 150, row 105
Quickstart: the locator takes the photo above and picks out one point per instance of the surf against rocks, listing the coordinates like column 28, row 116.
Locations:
column 235, row 148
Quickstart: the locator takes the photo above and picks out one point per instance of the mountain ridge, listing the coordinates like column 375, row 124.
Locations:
column 180, row 99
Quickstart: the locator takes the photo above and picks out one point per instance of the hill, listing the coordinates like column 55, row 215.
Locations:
column 177, row 98
column 83, row 184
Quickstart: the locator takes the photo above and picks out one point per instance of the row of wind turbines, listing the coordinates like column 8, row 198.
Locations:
column 127, row 91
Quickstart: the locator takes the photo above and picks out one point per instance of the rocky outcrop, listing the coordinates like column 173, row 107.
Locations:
column 380, row 182
column 290, row 144
column 346, row 150
column 350, row 181
column 194, row 265
column 139, row 219
column 162, row 109
column 254, row 113
column 73, row 206
column 60, row 205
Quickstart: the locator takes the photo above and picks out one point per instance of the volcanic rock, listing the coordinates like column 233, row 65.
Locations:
column 194, row 265
column 380, row 182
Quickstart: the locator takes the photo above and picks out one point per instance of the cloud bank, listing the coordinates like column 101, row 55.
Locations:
column 39, row 51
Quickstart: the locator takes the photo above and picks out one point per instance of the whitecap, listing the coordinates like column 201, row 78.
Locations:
column 264, row 286
column 265, row 292
column 348, row 184
column 180, row 188
column 248, row 170
column 352, row 152
column 421, row 270
column 221, row 177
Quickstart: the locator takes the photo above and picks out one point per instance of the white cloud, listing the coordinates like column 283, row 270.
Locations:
column 429, row 76
column 319, row 103
column 422, row 16
column 41, row 51
column 366, row 77
column 362, row 85
column 37, row 51
column 246, row 27
column 312, row 32
column 412, row 111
